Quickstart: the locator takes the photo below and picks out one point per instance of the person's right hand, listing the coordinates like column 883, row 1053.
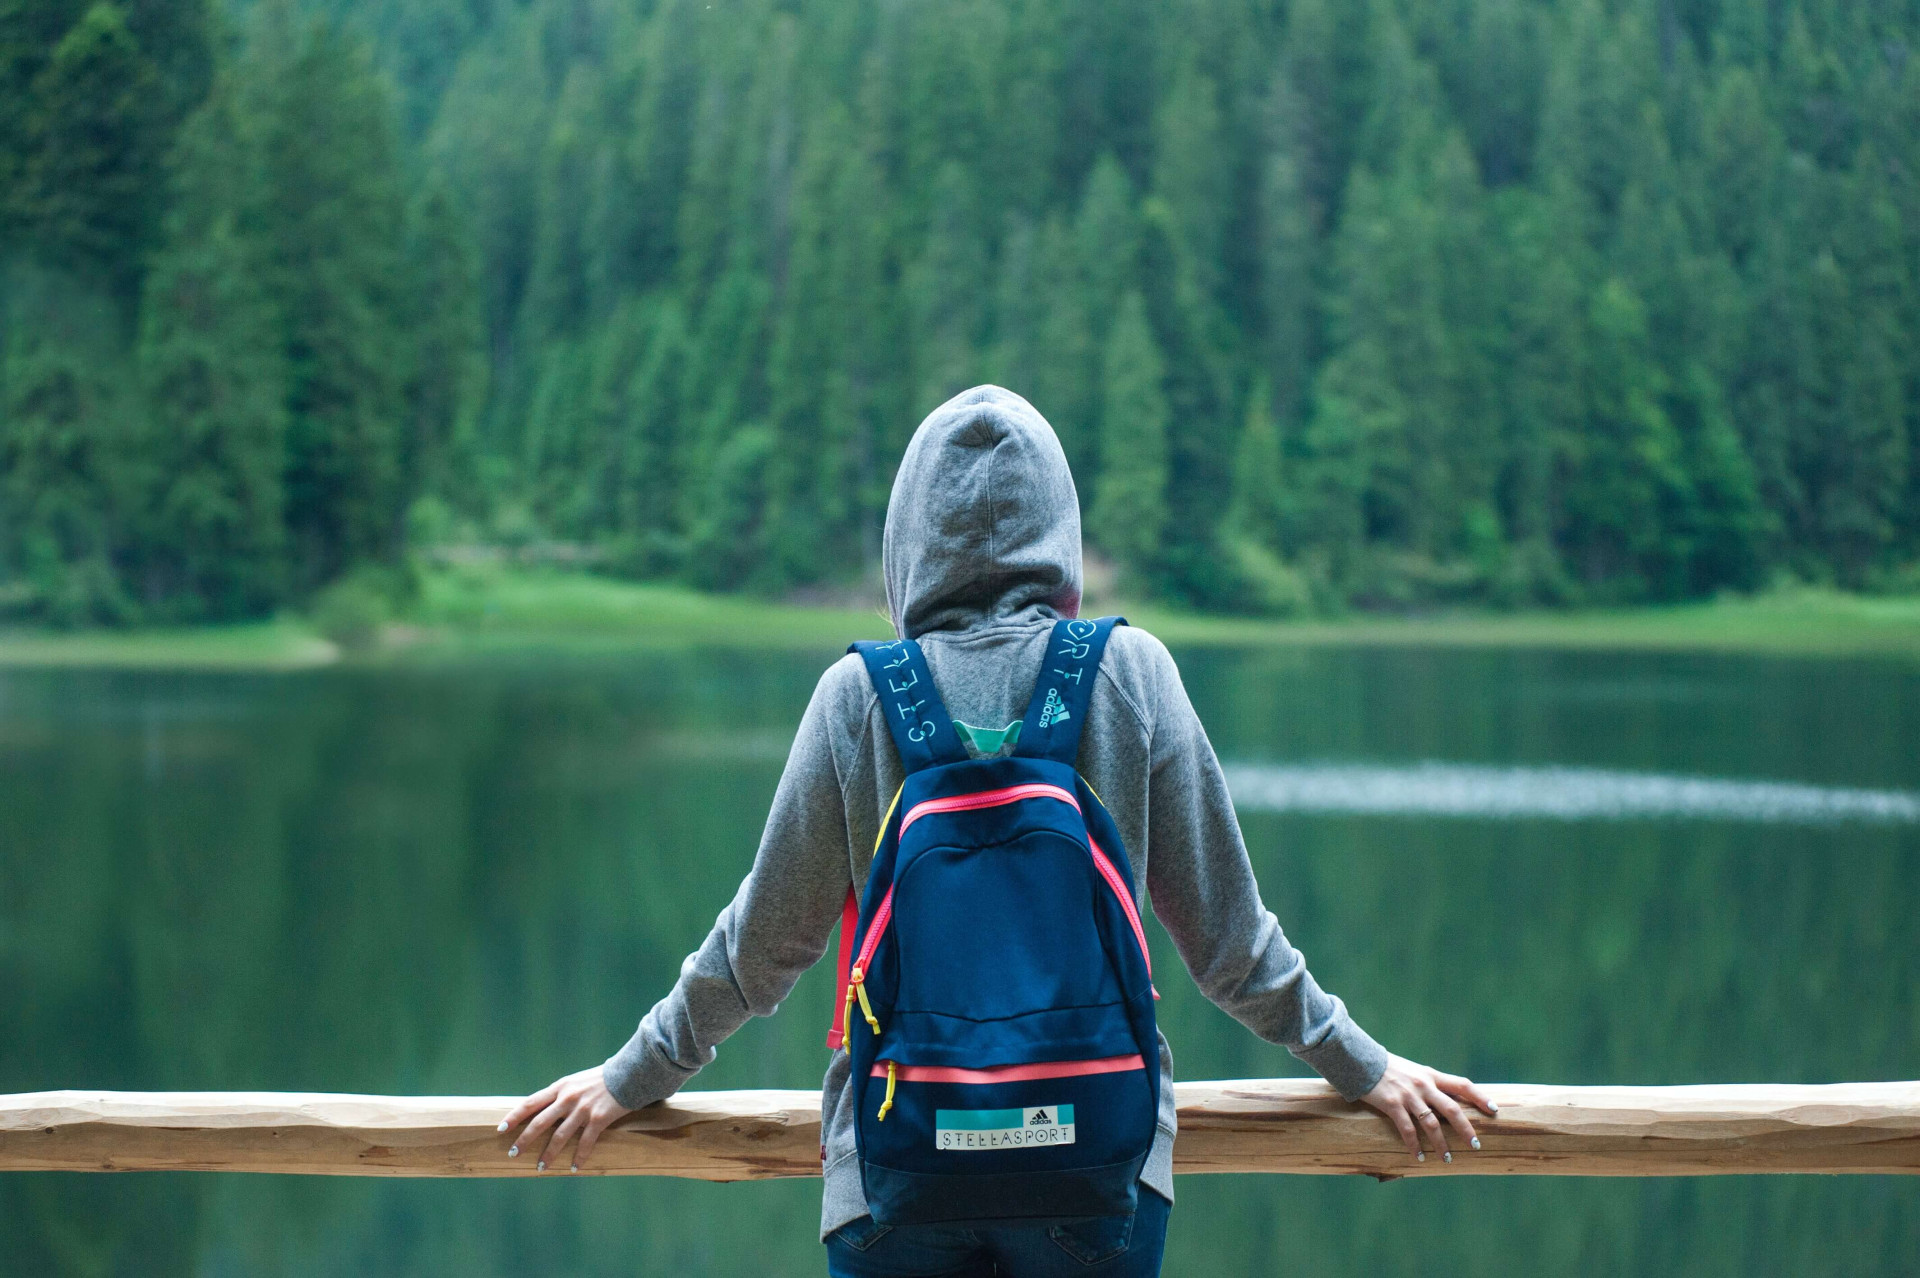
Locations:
column 1416, row 1098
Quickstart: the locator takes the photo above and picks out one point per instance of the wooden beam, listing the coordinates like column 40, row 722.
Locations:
column 1261, row 1125
column 1712, row 1129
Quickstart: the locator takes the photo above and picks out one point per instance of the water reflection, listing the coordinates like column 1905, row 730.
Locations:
column 471, row 880
column 1561, row 794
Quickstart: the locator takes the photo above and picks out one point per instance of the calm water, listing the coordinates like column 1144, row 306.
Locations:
column 472, row 879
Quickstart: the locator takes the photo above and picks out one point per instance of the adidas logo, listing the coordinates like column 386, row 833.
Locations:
column 1054, row 711
column 1040, row 1119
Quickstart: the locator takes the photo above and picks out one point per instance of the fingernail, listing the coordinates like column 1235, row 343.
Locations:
column 1448, row 1156
column 574, row 1168
column 541, row 1165
column 1420, row 1157
column 1476, row 1142
column 514, row 1152
column 502, row 1127
column 1496, row 1109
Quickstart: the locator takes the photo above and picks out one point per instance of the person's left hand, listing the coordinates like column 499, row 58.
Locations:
column 577, row 1105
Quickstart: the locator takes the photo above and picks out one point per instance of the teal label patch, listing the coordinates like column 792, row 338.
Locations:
column 1003, row 1128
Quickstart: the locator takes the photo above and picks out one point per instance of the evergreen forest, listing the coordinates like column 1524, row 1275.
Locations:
column 1334, row 303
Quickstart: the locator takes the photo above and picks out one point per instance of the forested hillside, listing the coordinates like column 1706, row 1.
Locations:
column 1331, row 301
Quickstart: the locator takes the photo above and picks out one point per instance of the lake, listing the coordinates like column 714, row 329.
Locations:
column 473, row 877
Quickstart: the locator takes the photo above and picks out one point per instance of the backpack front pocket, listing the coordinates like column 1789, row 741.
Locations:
column 1007, row 1137
column 1000, row 958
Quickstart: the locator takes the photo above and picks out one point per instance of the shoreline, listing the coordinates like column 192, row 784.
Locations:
column 466, row 614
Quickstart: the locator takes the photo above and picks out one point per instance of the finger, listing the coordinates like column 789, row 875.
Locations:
column 1467, row 1089
column 557, row 1142
column 1402, row 1121
column 589, row 1137
column 557, row 1145
column 1431, row 1129
column 531, row 1105
column 537, row 1128
column 1449, row 1109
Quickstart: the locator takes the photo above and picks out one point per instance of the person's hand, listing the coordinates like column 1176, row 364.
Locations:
column 1415, row 1099
column 577, row 1105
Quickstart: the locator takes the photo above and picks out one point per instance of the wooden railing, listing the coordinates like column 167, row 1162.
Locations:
column 1265, row 1125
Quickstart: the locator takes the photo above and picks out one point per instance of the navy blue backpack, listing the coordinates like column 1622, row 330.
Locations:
column 1007, row 1069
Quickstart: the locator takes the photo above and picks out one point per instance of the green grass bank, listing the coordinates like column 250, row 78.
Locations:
column 478, row 610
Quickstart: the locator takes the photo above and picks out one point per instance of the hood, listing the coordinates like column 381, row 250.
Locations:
column 984, row 523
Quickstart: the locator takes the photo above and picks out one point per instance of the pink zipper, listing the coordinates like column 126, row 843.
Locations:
column 881, row 917
column 1112, row 876
column 987, row 799
column 1011, row 1073
column 994, row 799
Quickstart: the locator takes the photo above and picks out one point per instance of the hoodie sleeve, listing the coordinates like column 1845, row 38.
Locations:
column 1203, row 892
column 775, row 928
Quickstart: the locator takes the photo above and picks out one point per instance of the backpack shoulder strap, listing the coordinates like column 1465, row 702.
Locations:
column 1064, row 689
column 918, row 719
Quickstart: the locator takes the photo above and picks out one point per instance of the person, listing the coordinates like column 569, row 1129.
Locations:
column 981, row 556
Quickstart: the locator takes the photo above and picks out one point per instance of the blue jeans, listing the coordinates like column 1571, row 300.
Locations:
column 1113, row 1247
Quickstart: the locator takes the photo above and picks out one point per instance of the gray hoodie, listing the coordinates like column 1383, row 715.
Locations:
column 981, row 556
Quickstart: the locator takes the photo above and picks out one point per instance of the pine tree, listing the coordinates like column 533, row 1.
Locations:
column 91, row 183
column 1410, row 378
column 1328, row 62
column 637, row 425
column 1191, row 334
column 559, row 449
column 1590, row 110
column 1854, row 452
column 487, row 139
column 729, row 544
column 215, row 376
column 333, row 227
column 1257, row 510
column 1622, row 478
column 1898, row 144
column 1013, row 350
column 1741, row 155
column 946, row 289
column 1289, row 260
column 1497, row 72
column 561, row 292
column 71, row 470
column 1066, row 363
column 1129, row 515
column 90, row 97
column 654, row 429
column 724, row 380
column 1193, row 178
column 829, row 370
column 1543, row 303
column 1107, row 234
column 447, row 380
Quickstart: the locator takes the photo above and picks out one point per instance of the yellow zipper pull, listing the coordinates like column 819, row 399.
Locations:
column 887, row 1104
column 857, row 984
column 846, row 1014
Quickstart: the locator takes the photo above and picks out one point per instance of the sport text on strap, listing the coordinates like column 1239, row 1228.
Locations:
column 1064, row 689
column 915, row 714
